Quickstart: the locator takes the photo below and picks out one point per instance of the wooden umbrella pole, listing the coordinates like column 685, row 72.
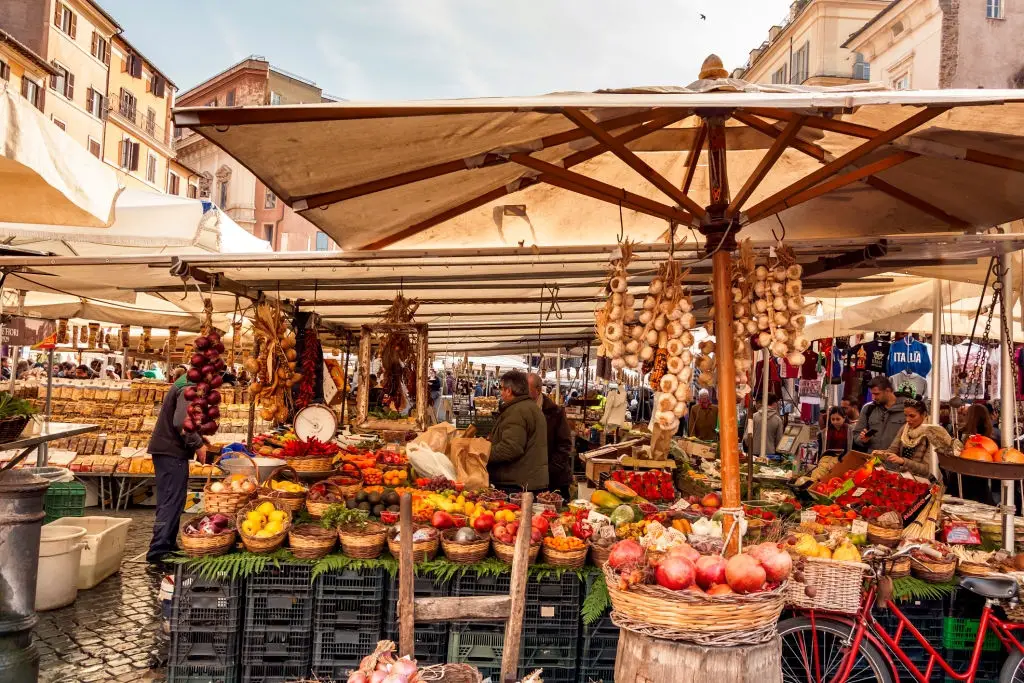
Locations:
column 727, row 435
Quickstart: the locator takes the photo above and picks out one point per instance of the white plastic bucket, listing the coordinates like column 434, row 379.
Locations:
column 60, row 554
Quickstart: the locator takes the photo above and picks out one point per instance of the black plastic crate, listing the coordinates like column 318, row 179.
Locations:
column 548, row 652
column 277, row 645
column 209, row 648
column 336, row 651
column 367, row 584
column 201, row 673
column 553, row 606
column 596, row 674
column 927, row 616
column 482, row 649
column 598, row 649
column 281, row 598
column 206, row 604
column 431, row 639
column 989, row 666
column 471, row 584
column 274, row 673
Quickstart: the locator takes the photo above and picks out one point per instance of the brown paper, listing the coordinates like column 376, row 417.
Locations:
column 470, row 458
column 438, row 437
column 661, row 443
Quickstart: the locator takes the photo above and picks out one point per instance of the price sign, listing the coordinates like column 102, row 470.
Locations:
column 859, row 526
column 860, row 491
column 557, row 531
column 808, row 517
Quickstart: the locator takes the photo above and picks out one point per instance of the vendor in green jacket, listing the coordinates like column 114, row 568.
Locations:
column 519, row 448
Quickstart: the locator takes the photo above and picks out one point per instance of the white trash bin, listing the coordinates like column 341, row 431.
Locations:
column 60, row 554
column 105, row 538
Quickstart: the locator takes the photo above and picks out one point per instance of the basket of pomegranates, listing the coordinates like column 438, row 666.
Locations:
column 702, row 599
column 232, row 494
column 212, row 534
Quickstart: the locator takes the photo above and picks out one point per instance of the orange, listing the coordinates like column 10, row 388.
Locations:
column 983, row 442
column 1010, row 455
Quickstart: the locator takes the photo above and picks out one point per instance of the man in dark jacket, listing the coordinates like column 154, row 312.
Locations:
column 519, row 447
column 171, row 448
column 559, row 439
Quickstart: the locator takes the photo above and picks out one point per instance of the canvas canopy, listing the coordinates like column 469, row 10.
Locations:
column 45, row 176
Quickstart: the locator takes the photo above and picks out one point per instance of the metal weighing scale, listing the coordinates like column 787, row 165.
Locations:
column 794, row 437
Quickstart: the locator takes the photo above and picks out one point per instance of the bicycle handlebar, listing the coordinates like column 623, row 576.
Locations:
column 927, row 550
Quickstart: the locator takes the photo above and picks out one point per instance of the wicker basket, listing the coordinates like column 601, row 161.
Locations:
column 837, row 586
column 363, row 541
column 318, row 464
column 229, row 502
column 12, row 427
column 347, row 490
column 464, row 553
column 974, row 569
column 599, row 554
column 317, row 508
column 900, row 567
column 720, row 620
column 883, row 536
column 506, row 551
column 204, row 545
column 311, row 541
column 286, row 500
column 933, row 571
column 261, row 545
column 421, row 550
column 572, row 559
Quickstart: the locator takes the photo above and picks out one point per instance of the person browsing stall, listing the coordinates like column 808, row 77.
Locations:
column 775, row 429
column 703, row 420
column 910, row 450
column 881, row 420
column 519, row 444
column 837, row 437
column 559, row 438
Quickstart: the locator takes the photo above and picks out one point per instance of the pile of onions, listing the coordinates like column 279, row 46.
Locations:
column 204, row 376
column 613, row 317
column 664, row 334
column 385, row 668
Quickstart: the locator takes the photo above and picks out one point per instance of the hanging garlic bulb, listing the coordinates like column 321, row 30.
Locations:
column 737, row 295
column 761, row 273
column 628, row 300
column 760, row 287
column 781, row 318
column 801, row 344
column 685, row 305
column 744, row 364
column 779, row 349
column 652, row 337
column 674, row 314
column 665, row 402
column 798, row 321
column 613, row 331
column 686, row 356
column 781, row 335
column 616, row 298
column 707, row 380
column 795, row 357
column 647, row 353
column 632, row 346
column 618, row 284
column 779, row 273
column 742, row 390
column 657, row 284
column 685, row 376
column 636, row 332
column 646, row 317
column 794, row 271
column 778, row 289
column 687, row 338
column 660, row 322
column 669, row 293
column 618, row 363
column 680, row 410
column 751, row 326
column 707, row 347
column 632, row 361
column 650, row 303
column 665, row 307
column 738, row 328
column 684, row 392
column 741, row 310
column 688, row 321
column 763, row 322
column 794, row 287
column 616, row 313
column 629, row 315
column 675, row 347
column 760, row 306
column 764, row 339
column 618, row 349
column 705, row 364
column 779, row 304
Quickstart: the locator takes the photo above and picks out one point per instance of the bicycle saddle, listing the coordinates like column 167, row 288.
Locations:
column 994, row 588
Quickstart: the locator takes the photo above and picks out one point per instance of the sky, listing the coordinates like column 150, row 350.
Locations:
column 418, row 49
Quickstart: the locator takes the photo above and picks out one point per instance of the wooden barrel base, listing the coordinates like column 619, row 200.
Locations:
column 642, row 659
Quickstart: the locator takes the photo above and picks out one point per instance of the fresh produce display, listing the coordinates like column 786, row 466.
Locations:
column 297, row 449
column 205, row 375
column 209, row 525
column 287, row 486
column 564, row 542
column 273, row 367
column 238, row 483
column 265, row 521
column 651, row 484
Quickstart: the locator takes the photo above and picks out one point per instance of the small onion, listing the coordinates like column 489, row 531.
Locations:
column 794, row 271
column 650, row 303
column 738, row 328
column 761, row 273
column 737, row 295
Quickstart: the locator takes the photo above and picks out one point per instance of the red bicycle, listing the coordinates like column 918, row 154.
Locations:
column 829, row 647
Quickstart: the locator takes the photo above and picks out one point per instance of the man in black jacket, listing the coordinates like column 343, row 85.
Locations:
column 559, row 439
column 171, row 448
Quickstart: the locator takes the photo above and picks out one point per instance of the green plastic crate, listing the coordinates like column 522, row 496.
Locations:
column 959, row 634
column 64, row 499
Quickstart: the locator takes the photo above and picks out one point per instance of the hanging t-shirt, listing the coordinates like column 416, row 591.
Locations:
column 877, row 356
column 909, row 384
column 909, row 354
column 809, row 369
column 859, row 357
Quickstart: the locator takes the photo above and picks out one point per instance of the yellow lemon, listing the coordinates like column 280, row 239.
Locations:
column 265, row 508
column 273, row 528
column 264, row 533
column 278, row 516
column 248, row 528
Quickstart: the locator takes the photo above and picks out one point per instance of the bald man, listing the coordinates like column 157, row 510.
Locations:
column 559, row 439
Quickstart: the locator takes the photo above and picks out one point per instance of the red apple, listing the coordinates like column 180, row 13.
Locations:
column 711, row 500
column 483, row 523
column 442, row 520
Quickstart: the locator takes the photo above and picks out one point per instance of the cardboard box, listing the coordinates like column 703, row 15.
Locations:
column 708, row 450
column 853, row 460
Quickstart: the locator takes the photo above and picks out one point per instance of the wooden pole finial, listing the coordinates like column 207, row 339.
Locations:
column 713, row 68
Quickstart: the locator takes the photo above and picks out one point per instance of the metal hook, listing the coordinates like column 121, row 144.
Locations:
column 774, row 234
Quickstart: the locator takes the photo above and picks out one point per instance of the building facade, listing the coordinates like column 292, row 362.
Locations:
column 228, row 184
column 138, row 136
column 925, row 44
column 23, row 70
column 807, row 48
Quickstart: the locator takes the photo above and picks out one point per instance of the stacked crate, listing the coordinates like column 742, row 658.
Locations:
column 960, row 629
column 206, row 620
column 927, row 617
column 599, row 643
column 346, row 620
column 431, row 646
column 278, row 637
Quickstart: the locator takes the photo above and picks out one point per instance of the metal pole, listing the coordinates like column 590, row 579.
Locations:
column 344, row 380
column 1006, row 392
column 936, row 363
column 586, row 380
column 558, row 377
column 764, row 405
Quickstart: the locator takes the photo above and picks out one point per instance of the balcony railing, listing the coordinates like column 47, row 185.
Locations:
column 131, row 113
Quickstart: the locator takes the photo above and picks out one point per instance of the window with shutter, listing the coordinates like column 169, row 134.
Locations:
column 69, row 89
column 58, row 15
column 158, row 85
column 150, row 121
column 135, row 66
column 94, row 147
column 135, row 156
column 229, row 100
column 106, row 53
column 172, row 183
column 74, row 24
column 5, row 71
column 151, row 168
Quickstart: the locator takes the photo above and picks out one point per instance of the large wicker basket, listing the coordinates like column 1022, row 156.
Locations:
column 506, row 551
column 933, row 571
column 207, row 545
column 286, row 500
column 572, row 559
column 229, row 502
column 837, row 586
column 318, row 464
column 363, row 541
column 12, row 427
column 599, row 553
column 421, row 550
column 317, row 508
column 464, row 553
column 720, row 620
column 311, row 541
column 261, row 545
column 883, row 535
column 900, row 567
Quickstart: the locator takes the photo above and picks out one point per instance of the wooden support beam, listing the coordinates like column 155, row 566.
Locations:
column 917, row 203
column 691, row 161
column 556, row 175
column 633, row 161
column 1008, row 163
column 768, row 206
column 835, row 183
column 517, row 592
column 325, row 198
column 850, row 259
column 767, row 161
column 480, row 608
column 819, row 122
column 808, row 148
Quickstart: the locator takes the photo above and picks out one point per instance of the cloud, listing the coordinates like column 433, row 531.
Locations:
column 348, row 77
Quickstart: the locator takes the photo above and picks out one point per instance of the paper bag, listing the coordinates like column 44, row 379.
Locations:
column 437, row 438
column 470, row 458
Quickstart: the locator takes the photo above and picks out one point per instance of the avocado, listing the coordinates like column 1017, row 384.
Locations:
column 364, row 506
column 393, row 508
column 351, row 503
column 373, row 498
column 390, row 498
column 786, row 509
column 377, row 509
column 360, row 496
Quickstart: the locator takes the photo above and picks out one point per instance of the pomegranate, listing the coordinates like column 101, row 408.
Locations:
column 744, row 574
column 684, row 550
column 710, row 571
column 711, row 500
column 675, row 573
column 625, row 553
column 720, row 589
column 777, row 563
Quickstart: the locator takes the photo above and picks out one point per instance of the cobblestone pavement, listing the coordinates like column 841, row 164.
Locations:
column 113, row 631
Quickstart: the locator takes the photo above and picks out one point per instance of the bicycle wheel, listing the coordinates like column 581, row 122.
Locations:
column 1013, row 669
column 798, row 653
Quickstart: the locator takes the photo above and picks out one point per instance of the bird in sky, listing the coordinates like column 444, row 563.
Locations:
column 703, row 18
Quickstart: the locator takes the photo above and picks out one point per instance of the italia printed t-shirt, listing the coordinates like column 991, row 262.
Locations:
column 909, row 354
